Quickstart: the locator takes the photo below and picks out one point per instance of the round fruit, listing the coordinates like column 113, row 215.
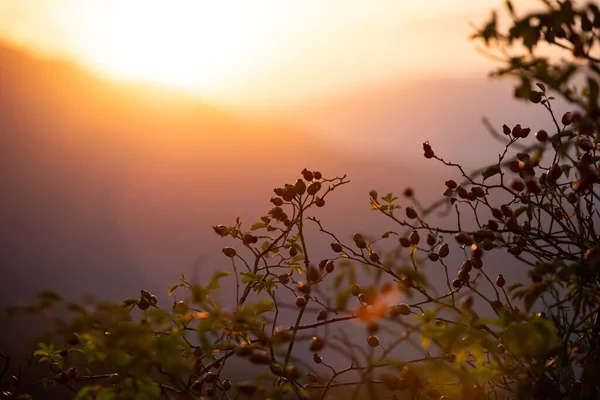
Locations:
column 414, row 237
column 373, row 341
column 307, row 175
column 541, row 136
column 284, row 279
column 535, row 97
column 443, row 250
column 355, row 290
column 74, row 340
column 463, row 239
column 405, row 242
column 72, row 372
column 329, row 266
column 317, row 175
column 229, row 252
column 322, row 316
column 61, row 378
column 336, row 247
column 313, row 188
column 277, row 201
column 226, row 385
column 374, row 257
column 300, row 187
column 143, row 303
column 249, row 238
column 411, row 213
column 209, row 377
column 114, row 379
column 316, row 344
column 451, row 184
column 276, row 369
column 361, row 244
column 317, row 358
column 517, row 185
column 320, row 202
column 300, row 301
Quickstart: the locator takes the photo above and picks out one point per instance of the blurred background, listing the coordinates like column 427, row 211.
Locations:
column 127, row 129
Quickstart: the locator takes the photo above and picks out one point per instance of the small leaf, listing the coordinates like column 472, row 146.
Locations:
column 257, row 225
column 214, row 282
column 542, row 87
column 129, row 302
column 490, row 171
column 175, row 287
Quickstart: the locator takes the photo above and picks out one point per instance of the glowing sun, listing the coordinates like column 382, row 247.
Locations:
column 189, row 44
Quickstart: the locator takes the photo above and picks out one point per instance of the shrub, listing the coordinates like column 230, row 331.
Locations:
column 290, row 315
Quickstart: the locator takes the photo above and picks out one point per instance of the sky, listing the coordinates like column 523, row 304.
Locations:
column 254, row 53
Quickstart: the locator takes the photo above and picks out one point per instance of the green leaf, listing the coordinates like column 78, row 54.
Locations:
column 263, row 306
column 41, row 353
column 490, row 171
column 257, row 225
column 520, row 211
column 514, row 286
column 214, row 282
column 534, row 339
column 175, row 287
column 129, row 302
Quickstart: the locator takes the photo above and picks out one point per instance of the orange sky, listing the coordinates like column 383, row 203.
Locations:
column 254, row 53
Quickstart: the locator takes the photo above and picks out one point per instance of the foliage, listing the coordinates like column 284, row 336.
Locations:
column 479, row 336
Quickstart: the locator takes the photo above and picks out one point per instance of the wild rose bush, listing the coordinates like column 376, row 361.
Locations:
column 476, row 336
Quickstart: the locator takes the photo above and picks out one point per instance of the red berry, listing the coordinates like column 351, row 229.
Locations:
column 535, row 97
column 444, row 250
column 74, row 340
column 61, row 378
column 373, row 341
column 307, row 175
column 322, row 316
column 317, row 358
column 229, row 252
column 541, row 136
column 300, row 301
column 567, row 118
column 209, row 377
column 411, row 213
column 450, row 184
column 329, row 266
column 414, row 237
column 500, row 281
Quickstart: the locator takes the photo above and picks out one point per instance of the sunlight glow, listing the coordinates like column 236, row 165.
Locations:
column 188, row 44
